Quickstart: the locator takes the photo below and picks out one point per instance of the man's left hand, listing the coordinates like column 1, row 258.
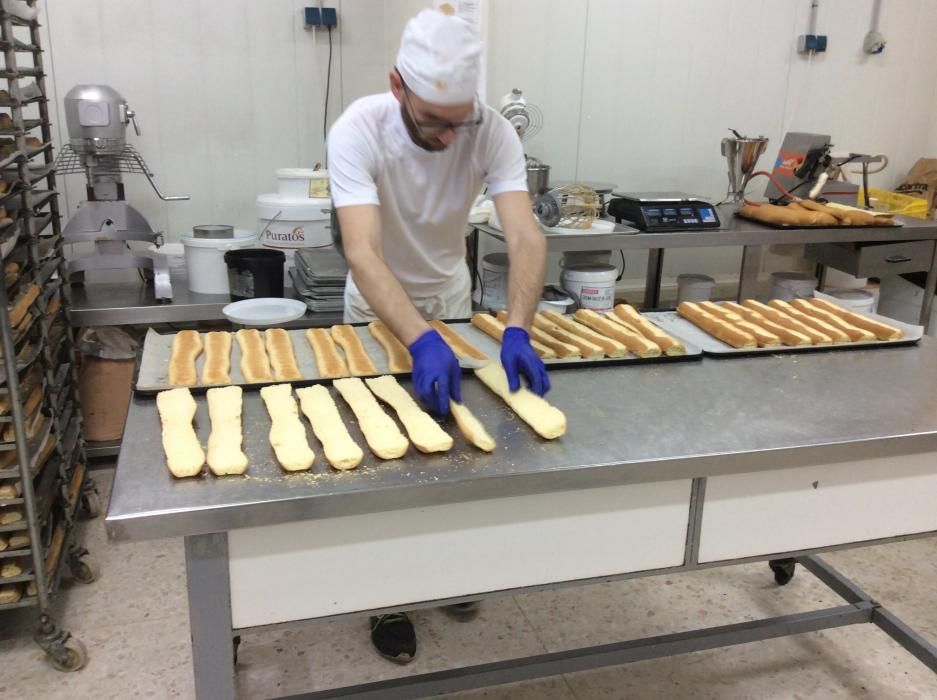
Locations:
column 519, row 358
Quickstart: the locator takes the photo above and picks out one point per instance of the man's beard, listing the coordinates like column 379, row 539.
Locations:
column 414, row 131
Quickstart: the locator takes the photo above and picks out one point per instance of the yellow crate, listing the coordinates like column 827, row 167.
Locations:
column 895, row 202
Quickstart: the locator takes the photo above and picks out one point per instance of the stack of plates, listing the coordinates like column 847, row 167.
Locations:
column 319, row 278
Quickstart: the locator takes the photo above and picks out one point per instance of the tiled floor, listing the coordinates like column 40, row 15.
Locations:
column 135, row 625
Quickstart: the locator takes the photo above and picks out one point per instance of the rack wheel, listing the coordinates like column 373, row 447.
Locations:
column 85, row 571
column 783, row 570
column 70, row 656
column 90, row 504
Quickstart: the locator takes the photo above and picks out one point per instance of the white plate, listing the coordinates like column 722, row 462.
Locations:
column 598, row 226
column 265, row 311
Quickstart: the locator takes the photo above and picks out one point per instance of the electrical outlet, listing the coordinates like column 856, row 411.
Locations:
column 329, row 17
column 313, row 17
column 811, row 43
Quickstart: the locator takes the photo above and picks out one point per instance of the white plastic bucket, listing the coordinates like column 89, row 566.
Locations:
column 294, row 223
column 788, row 286
column 204, row 260
column 861, row 300
column 494, row 281
column 693, row 287
column 302, row 183
column 591, row 286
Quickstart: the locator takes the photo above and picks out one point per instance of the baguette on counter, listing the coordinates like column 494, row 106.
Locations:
column 808, row 213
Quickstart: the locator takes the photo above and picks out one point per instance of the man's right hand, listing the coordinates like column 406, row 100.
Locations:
column 436, row 373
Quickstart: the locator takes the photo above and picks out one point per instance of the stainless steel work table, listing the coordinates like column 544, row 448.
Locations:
column 132, row 302
column 751, row 235
column 709, row 430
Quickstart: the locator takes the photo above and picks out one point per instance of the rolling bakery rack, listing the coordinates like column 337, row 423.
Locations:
column 43, row 480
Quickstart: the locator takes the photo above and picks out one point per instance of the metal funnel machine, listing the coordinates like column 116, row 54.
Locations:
column 742, row 154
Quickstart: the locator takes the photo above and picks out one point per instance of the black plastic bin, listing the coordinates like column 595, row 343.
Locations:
column 255, row 272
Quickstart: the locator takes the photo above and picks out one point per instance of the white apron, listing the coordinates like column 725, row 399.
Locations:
column 452, row 301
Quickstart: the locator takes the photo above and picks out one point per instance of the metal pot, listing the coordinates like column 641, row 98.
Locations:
column 538, row 177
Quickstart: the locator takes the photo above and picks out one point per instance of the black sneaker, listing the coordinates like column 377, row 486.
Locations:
column 463, row 612
column 394, row 637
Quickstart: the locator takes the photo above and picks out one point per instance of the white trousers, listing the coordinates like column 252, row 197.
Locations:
column 453, row 301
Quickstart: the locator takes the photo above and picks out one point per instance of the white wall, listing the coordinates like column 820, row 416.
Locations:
column 640, row 93
column 226, row 90
column 635, row 92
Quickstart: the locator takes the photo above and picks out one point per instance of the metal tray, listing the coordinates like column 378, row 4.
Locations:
column 894, row 224
column 157, row 349
column 687, row 331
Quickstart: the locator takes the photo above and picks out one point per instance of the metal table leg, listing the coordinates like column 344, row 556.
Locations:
column 655, row 267
column 929, row 286
column 206, row 560
column 748, row 276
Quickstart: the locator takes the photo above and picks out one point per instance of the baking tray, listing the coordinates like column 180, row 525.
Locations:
column 894, row 224
column 688, row 332
column 157, row 349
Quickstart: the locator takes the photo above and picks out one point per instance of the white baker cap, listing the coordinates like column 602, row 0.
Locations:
column 440, row 58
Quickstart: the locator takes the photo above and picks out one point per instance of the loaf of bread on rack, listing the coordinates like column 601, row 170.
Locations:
column 562, row 350
column 630, row 338
column 632, row 318
column 610, row 346
column 787, row 335
column 186, row 347
column 837, row 335
column 725, row 331
column 856, row 334
column 882, row 331
column 788, row 321
column 494, row 328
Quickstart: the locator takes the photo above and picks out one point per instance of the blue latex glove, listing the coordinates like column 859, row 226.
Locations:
column 518, row 357
column 436, row 372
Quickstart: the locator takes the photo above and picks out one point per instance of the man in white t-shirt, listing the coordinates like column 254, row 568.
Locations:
column 405, row 167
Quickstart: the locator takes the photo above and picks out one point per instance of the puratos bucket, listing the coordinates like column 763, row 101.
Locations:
column 255, row 272
column 591, row 286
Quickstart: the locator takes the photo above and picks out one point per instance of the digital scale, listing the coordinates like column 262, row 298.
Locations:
column 663, row 211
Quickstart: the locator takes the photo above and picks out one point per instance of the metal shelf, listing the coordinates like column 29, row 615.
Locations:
column 28, row 125
column 22, row 578
column 12, row 553
column 25, row 72
column 35, row 448
column 9, row 160
column 34, row 175
column 15, row 527
column 24, row 602
column 41, row 223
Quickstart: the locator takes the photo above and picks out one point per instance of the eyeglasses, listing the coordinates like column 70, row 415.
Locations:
column 434, row 126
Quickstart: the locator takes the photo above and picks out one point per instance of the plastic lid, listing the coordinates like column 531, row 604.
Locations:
column 293, row 208
column 850, row 294
column 241, row 239
column 691, row 277
column 591, row 267
column 300, row 173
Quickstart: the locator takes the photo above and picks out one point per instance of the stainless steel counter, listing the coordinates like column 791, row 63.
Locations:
column 626, row 425
column 132, row 302
column 750, row 235
column 733, row 232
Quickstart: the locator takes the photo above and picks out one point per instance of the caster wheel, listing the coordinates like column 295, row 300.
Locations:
column 90, row 505
column 73, row 658
column 86, row 572
column 783, row 570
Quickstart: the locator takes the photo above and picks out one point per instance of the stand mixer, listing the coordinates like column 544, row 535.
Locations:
column 97, row 117
column 742, row 154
